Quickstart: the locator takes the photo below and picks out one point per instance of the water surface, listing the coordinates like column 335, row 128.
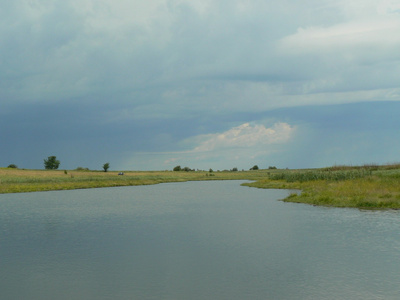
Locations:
column 194, row 240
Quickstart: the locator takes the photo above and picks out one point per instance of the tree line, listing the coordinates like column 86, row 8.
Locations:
column 187, row 169
column 52, row 163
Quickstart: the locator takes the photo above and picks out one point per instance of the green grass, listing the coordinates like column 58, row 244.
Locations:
column 19, row 181
column 365, row 187
column 303, row 176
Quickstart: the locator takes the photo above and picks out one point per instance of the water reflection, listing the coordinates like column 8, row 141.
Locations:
column 196, row 240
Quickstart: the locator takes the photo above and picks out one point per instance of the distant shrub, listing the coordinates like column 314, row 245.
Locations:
column 234, row 170
column 12, row 166
column 255, row 167
column 186, row 169
column 272, row 168
column 82, row 169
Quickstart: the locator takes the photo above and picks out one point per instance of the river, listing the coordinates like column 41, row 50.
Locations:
column 193, row 240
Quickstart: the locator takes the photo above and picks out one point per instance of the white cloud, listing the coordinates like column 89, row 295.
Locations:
column 241, row 147
column 369, row 32
column 245, row 136
column 367, row 9
column 356, row 57
column 351, row 36
column 57, row 50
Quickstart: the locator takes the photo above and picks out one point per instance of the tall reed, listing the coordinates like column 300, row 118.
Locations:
column 303, row 176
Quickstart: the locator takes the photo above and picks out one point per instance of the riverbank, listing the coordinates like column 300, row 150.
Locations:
column 364, row 187
column 21, row 181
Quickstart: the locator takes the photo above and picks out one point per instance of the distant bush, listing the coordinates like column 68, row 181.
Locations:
column 234, row 170
column 272, row 168
column 82, row 169
column 186, row 169
column 255, row 167
column 12, row 166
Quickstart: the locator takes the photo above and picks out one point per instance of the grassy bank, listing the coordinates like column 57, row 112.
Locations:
column 366, row 187
column 20, row 181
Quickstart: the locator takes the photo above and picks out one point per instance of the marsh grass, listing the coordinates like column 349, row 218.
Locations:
column 366, row 187
column 18, row 181
column 329, row 175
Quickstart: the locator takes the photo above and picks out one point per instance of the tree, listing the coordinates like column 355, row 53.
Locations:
column 51, row 163
column 255, row 167
column 177, row 168
column 12, row 166
column 106, row 166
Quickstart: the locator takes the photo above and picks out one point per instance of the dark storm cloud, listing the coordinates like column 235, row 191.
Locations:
column 98, row 80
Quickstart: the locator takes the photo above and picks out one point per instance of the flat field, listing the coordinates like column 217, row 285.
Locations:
column 20, row 181
column 364, row 187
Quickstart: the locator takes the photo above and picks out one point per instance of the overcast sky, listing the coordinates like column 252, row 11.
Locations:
column 149, row 85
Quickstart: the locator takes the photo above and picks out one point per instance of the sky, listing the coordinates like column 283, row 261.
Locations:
column 150, row 85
